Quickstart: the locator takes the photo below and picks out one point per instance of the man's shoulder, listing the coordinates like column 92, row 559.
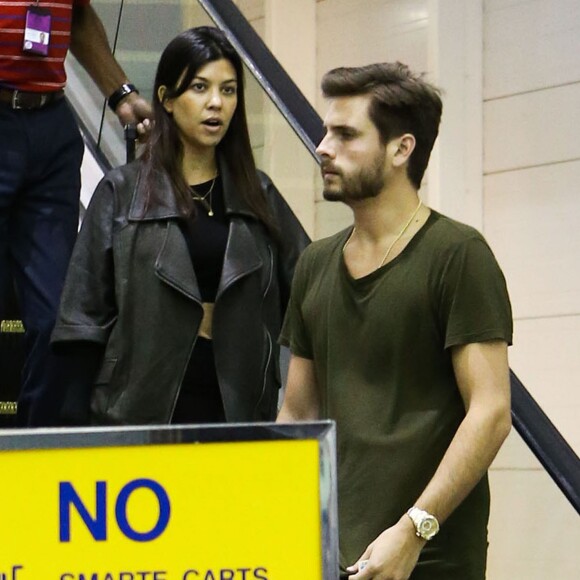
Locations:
column 450, row 232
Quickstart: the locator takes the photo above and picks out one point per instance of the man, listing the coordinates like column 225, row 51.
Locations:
column 40, row 157
column 398, row 329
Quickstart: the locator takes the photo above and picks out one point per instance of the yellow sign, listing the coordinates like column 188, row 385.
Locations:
column 212, row 511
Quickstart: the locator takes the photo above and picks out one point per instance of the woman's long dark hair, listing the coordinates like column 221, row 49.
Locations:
column 179, row 63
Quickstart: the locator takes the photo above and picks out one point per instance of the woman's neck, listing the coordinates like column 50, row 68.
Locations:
column 199, row 166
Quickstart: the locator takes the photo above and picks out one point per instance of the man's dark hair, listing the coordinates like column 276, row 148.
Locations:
column 401, row 102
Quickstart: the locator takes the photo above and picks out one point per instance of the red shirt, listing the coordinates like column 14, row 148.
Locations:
column 28, row 72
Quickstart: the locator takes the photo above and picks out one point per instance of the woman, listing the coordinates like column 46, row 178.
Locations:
column 180, row 276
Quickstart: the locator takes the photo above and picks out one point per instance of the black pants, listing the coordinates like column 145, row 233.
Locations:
column 40, row 158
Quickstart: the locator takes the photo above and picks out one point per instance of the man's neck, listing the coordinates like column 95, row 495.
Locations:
column 384, row 225
column 381, row 216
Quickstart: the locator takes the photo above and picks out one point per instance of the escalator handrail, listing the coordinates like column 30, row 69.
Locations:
column 545, row 441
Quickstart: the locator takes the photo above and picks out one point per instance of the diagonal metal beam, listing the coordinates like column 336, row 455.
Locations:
column 546, row 442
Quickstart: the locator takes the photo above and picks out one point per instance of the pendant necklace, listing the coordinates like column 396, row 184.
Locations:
column 206, row 198
column 399, row 236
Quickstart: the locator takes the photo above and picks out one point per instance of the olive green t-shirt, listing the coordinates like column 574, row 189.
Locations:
column 381, row 351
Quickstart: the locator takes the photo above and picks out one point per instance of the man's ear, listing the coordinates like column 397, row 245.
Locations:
column 168, row 104
column 405, row 145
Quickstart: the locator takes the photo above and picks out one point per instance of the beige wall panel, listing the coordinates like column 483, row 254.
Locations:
column 356, row 33
column 545, row 358
column 531, row 222
column 251, row 9
column 515, row 454
column 532, row 129
column 530, row 45
column 331, row 217
column 534, row 531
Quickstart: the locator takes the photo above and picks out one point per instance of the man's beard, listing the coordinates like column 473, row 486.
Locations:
column 366, row 183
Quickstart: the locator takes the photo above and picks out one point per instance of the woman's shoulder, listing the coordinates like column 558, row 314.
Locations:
column 114, row 192
column 264, row 178
column 124, row 176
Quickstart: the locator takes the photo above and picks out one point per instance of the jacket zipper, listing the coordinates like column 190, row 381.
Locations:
column 268, row 337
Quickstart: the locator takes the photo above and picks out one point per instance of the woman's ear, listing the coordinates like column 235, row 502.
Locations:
column 168, row 104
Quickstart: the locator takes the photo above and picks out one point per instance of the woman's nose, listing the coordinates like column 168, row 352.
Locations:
column 215, row 100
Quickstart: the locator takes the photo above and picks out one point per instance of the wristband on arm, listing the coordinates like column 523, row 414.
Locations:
column 116, row 97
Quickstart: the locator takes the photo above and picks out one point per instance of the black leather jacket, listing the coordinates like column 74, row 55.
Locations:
column 131, row 286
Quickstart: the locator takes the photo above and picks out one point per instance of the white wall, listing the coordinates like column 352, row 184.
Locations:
column 532, row 177
column 531, row 212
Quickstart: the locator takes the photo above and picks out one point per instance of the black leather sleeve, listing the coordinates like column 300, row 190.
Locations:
column 72, row 371
column 292, row 240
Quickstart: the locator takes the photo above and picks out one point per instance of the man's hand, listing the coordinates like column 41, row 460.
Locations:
column 392, row 556
column 135, row 110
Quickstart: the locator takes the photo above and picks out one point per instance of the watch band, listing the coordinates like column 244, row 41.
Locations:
column 426, row 524
column 116, row 97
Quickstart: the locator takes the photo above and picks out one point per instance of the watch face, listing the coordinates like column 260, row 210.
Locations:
column 428, row 527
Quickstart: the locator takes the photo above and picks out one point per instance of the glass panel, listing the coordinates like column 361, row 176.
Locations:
column 142, row 30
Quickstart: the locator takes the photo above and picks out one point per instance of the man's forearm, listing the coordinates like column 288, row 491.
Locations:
column 90, row 46
column 466, row 461
column 482, row 374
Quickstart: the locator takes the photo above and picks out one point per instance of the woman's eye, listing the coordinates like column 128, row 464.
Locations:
column 230, row 90
column 198, row 87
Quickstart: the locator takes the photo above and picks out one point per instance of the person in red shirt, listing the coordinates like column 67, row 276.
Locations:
column 41, row 151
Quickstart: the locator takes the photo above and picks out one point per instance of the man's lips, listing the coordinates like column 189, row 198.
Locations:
column 328, row 171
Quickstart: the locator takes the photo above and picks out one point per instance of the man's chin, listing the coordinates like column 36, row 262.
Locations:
column 332, row 195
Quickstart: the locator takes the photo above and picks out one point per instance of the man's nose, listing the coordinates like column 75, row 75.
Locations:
column 324, row 149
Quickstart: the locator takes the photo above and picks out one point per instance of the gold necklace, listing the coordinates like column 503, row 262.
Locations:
column 399, row 236
column 202, row 198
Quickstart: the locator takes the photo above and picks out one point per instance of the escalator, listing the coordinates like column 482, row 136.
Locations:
column 139, row 58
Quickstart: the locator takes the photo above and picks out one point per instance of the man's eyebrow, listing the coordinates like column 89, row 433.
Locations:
column 341, row 128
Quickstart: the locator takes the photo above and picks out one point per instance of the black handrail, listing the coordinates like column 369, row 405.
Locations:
column 535, row 428
column 545, row 441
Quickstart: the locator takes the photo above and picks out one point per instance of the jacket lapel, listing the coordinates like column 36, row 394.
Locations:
column 166, row 207
column 242, row 256
column 173, row 264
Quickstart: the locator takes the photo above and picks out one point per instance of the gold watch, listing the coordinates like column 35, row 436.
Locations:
column 426, row 525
